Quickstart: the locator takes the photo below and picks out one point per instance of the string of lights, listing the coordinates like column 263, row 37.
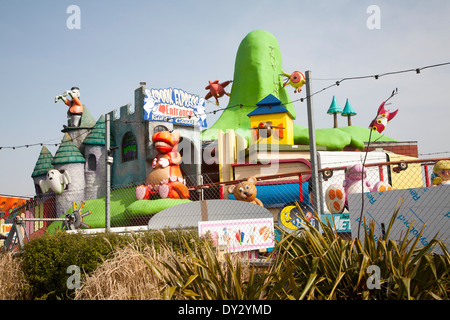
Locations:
column 337, row 82
column 46, row 143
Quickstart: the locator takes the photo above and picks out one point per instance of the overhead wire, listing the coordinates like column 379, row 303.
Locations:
column 337, row 82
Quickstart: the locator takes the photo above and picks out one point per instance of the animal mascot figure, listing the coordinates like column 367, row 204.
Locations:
column 216, row 90
column 296, row 79
column 336, row 196
column 165, row 179
column 246, row 191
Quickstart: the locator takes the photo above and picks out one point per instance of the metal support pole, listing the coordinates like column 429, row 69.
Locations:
column 312, row 147
column 109, row 161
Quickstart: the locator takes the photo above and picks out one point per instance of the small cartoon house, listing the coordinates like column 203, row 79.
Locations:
column 271, row 123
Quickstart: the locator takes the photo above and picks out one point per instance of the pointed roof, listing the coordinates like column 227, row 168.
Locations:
column 68, row 152
column 43, row 164
column 334, row 107
column 87, row 120
column 97, row 134
column 270, row 104
column 269, row 100
column 348, row 110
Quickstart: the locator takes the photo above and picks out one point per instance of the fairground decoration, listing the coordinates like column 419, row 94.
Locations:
column 382, row 118
column 175, row 106
column 216, row 90
column 239, row 235
column 296, row 79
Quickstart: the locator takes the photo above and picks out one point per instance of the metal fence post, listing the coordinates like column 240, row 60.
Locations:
column 109, row 161
column 317, row 204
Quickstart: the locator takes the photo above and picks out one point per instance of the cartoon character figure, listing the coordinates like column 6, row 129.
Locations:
column 246, row 191
column 216, row 90
column 382, row 118
column 57, row 180
column 75, row 106
column 296, row 79
column 441, row 172
column 265, row 130
column 166, row 179
column 336, row 196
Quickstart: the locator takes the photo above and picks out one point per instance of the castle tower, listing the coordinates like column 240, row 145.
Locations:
column 70, row 159
column 79, row 134
column 95, row 166
column 43, row 164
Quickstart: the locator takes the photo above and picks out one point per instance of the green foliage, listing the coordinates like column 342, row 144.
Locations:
column 199, row 274
column 46, row 259
column 324, row 266
column 311, row 265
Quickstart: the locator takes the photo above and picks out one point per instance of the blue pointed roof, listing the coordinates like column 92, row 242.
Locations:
column 270, row 104
column 348, row 110
column 269, row 100
column 334, row 107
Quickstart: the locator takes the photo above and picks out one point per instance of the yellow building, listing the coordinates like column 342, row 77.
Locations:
column 271, row 123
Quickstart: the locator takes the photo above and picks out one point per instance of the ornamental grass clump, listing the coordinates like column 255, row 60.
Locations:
column 324, row 266
column 311, row 264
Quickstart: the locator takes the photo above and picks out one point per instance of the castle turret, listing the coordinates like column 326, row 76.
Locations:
column 79, row 134
column 43, row 164
column 70, row 159
column 95, row 166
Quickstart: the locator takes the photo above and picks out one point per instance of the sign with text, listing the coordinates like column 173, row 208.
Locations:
column 175, row 106
column 5, row 228
column 421, row 207
column 239, row 235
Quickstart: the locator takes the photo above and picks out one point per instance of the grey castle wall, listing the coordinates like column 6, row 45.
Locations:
column 95, row 180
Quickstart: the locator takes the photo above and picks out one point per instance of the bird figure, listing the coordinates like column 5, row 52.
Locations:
column 216, row 90
column 265, row 130
column 295, row 79
column 382, row 118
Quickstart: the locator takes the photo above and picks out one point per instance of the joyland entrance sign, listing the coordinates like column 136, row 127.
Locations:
column 175, row 106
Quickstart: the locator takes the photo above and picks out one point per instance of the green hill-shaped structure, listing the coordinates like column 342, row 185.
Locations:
column 258, row 73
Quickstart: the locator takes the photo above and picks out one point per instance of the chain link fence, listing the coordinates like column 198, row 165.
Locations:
column 348, row 203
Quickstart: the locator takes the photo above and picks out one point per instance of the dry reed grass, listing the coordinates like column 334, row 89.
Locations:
column 13, row 285
column 127, row 276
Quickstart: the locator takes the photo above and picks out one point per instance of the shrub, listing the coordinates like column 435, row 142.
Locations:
column 46, row 259
column 323, row 266
column 310, row 265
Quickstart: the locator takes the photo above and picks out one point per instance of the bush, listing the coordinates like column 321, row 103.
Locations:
column 311, row 265
column 46, row 259
column 323, row 266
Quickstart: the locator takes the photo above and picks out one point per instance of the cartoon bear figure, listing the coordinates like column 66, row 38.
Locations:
column 246, row 191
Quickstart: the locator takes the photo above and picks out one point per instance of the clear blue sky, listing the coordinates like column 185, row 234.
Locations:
column 183, row 44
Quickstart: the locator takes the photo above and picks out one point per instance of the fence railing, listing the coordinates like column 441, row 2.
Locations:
column 276, row 192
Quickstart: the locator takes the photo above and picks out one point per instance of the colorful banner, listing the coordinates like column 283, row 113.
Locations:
column 239, row 235
column 174, row 106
